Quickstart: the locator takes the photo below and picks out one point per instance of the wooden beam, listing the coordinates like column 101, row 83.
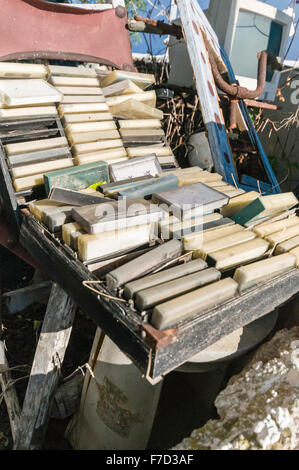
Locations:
column 45, row 371
column 9, row 393
column 17, row 300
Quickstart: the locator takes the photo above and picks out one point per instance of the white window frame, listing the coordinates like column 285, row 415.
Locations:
column 272, row 13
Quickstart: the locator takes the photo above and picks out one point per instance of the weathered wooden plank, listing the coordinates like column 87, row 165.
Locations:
column 8, row 198
column 9, row 393
column 207, row 91
column 45, row 370
column 18, row 300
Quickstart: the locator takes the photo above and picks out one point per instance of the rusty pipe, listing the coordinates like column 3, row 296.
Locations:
column 236, row 91
column 162, row 27
column 232, row 91
column 261, row 105
column 233, row 114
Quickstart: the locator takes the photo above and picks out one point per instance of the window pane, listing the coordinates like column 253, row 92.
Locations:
column 254, row 33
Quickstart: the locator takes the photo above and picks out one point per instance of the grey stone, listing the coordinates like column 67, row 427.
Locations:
column 259, row 408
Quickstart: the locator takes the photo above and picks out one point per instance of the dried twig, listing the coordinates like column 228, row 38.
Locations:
column 182, row 117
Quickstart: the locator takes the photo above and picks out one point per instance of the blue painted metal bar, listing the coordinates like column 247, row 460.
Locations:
column 273, row 187
column 257, row 185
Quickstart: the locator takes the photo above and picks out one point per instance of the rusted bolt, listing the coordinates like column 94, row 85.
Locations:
column 120, row 11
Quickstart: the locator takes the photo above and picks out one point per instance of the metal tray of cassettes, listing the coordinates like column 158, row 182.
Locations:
column 154, row 352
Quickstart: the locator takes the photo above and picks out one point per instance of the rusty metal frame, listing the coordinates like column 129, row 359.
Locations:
column 58, row 55
column 8, row 242
column 37, row 29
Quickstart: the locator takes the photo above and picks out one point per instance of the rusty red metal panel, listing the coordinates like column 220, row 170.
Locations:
column 7, row 241
column 31, row 29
